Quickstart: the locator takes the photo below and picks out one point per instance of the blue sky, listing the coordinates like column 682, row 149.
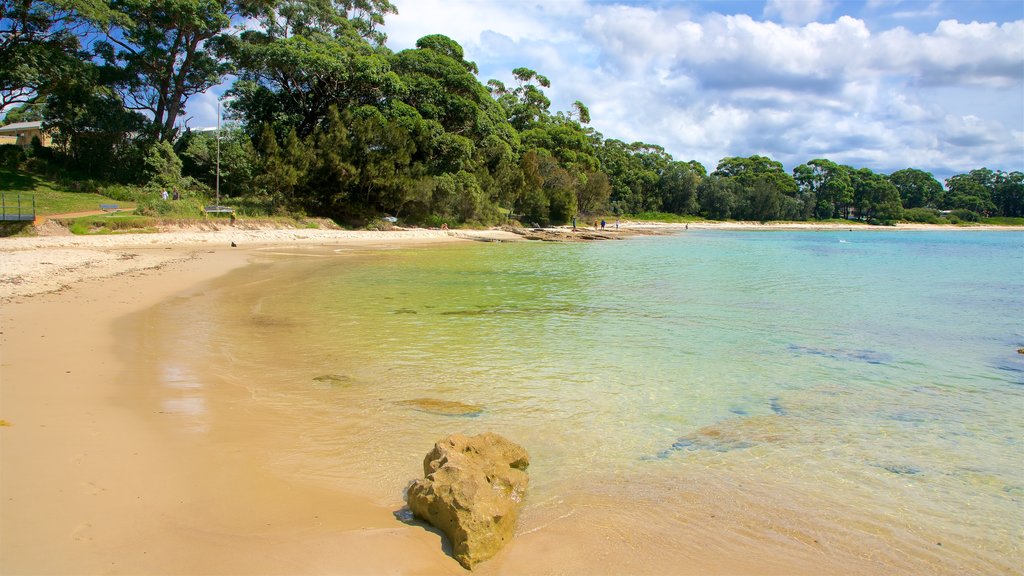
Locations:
column 882, row 84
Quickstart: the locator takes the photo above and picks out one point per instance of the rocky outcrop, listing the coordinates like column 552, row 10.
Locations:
column 472, row 491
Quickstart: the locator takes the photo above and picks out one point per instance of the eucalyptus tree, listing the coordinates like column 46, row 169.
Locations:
column 987, row 191
column 874, row 196
column 918, row 189
column 677, row 187
column 971, row 191
column 526, row 104
column 764, row 190
column 304, row 57
column 162, row 50
column 824, row 187
column 1008, row 195
column 39, row 42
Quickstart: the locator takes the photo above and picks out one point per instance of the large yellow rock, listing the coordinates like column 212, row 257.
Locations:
column 472, row 491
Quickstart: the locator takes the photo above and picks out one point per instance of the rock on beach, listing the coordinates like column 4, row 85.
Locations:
column 472, row 491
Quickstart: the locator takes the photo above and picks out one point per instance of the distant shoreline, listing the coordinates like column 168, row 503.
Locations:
column 47, row 263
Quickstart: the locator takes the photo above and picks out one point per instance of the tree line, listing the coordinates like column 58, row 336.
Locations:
column 327, row 121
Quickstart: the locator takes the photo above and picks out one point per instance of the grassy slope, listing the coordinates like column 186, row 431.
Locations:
column 51, row 197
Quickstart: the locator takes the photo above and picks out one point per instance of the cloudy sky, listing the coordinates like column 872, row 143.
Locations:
column 883, row 84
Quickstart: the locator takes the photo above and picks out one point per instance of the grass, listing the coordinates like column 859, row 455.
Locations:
column 111, row 224
column 1003, row 221
column 51, row 197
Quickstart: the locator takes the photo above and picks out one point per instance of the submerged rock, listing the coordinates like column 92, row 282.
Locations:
column 334, row 379
column 472, row 491
column 443, row 407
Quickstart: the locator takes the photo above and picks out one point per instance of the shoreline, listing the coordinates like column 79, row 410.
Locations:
column 43, row 264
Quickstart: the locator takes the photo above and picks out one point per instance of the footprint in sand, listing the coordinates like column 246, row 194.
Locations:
column 82, row 533
column 94, row 489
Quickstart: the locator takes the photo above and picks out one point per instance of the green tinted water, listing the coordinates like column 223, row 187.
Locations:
column 860, row 390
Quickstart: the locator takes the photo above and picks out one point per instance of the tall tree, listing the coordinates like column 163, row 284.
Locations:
column 826, row 185
column 972, row 191
column 875, row 197
column 161, row 48
column 917, row 187
column 293, row 81
column 38, row 42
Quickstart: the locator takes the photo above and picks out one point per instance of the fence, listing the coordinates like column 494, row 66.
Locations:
column 17, row 208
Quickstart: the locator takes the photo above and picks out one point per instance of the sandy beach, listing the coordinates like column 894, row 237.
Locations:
column 93, row 481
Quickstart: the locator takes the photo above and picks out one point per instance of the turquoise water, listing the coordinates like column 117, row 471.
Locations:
column 853, row 395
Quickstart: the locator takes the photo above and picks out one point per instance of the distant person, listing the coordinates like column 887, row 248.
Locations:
column 177, row 195
column 595, row 224
column 616, row 223
column 573, row 223
column 163, row 194
column 602, row 224
column 444, row 226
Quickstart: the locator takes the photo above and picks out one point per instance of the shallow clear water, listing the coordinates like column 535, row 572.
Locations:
column 857, row 395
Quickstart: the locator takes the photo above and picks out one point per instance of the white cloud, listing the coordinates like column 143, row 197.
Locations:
column 798, row 11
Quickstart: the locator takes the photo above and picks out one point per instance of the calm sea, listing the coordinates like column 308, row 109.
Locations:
column 855, row 397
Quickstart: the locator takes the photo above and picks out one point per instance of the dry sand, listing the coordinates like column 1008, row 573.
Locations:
column 91, row 482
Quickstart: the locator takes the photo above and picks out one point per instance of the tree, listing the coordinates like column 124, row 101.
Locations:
column 825, row 187
column 1009, row 194
column 677, row 187
column 91, row 128
column 38, row 41
column 592, row 196
column 292, row 82
column 971, row 191
column 717, row 197
column 875, row 197
column 287, row 18
column 917, row 188
column 161, row 49
column 526, row 104
column 764, row 191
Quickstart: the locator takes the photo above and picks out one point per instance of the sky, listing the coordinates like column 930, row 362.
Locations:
column 881, row 84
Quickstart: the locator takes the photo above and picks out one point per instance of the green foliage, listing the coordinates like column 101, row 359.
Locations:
column 875, row 198
column 163, row 167
column 111, row 224
column 162, row 51
column 11, row 156
column 189, row 206
column 51, row 195
column 922, row 215
column 1003, row 221
column 917, row 188
column 962, row 215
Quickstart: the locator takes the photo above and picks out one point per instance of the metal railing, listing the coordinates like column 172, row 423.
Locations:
column 16, row 207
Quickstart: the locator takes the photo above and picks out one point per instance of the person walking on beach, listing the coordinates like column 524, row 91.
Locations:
column 573, row 223
column 602, row 224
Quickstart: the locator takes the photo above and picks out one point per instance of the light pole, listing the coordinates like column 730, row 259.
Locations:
column 218, row 154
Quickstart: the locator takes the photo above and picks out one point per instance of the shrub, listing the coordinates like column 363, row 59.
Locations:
column 922, row 215
column 11, row 155
column 436, row 220
column 965, row 215
column 379, row 225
